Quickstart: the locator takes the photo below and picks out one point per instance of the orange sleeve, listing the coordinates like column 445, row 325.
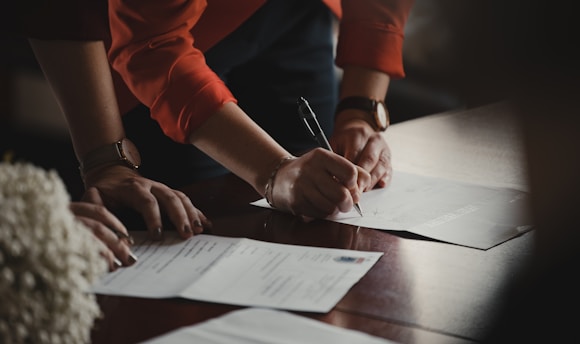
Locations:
column 153, row 50
column 371, row 34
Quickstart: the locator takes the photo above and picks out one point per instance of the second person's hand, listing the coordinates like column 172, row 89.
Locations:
column 358, row 142
column 103, row 224
column 116, row 186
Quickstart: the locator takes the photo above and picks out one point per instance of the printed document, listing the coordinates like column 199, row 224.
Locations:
column 239, row 271
column 466, row 214
column 255, row 325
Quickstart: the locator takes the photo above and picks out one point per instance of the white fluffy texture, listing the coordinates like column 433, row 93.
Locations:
column 48, row 261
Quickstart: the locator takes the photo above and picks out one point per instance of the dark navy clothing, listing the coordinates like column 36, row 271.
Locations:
column 283, row 52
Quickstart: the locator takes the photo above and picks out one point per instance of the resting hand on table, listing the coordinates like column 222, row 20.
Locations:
column 318, row 184
column 102, row 223
column 357, row 141
column 116, row 186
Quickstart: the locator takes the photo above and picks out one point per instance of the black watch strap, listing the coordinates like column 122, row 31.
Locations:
column 360, row 103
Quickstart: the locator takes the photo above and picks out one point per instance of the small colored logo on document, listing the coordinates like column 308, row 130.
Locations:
column 347, row 259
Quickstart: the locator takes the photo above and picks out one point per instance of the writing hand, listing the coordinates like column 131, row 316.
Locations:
column 318, row 184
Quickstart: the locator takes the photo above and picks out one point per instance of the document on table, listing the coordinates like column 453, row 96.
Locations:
column 255, row 325
column 239, row 271
column 460, row 213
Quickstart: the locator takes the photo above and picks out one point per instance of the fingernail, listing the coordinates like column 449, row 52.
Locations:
column 198, row 226
column 157, row 233
column 118, row 263
column 132, row 258
column 187, row 229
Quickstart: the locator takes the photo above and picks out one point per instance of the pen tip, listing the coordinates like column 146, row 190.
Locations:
column 357, row 208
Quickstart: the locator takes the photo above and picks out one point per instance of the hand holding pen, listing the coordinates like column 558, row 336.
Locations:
column 315, row 130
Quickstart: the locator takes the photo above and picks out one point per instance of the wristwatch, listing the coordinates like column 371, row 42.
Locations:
column 375, row 108
column 122, row 152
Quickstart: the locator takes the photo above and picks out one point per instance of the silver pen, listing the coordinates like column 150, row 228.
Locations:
column 315, row 130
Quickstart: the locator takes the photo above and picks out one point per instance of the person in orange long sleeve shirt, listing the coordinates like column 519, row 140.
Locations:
column 67, row 38
column 218, row 82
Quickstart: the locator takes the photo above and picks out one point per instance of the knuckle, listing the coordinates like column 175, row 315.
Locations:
column 180, row 194
column 172, row 197
column 368, row 159
column 135, row 183
column 148, row 200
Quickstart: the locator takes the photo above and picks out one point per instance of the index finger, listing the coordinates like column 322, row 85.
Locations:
column 101, row 214
column 344, row 171
column 369, row 157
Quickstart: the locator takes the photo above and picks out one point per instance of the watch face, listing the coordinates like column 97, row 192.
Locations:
column 382, row 116
column 131, row 153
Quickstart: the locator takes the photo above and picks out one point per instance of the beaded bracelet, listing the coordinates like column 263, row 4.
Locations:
column 270, row 183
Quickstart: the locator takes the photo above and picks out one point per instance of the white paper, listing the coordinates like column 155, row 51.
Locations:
column 460, row 213
column 255, row 326
column 239, row 271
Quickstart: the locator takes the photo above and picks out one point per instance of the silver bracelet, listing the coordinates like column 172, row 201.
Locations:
column 270, row 183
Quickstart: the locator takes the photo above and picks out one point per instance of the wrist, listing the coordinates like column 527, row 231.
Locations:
column 94, row 175
column 349, row 117
column 372, row 111
column 269, row 188
column 122, row 152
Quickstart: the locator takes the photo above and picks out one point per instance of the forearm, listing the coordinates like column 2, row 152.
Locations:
column 234, row 140
column 79, row 75
column 360, row 81
column 363, row 82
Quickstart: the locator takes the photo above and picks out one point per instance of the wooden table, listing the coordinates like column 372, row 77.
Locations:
column 420, row 291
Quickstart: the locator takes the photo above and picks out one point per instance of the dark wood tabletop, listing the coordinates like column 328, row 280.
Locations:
column 420, row 290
